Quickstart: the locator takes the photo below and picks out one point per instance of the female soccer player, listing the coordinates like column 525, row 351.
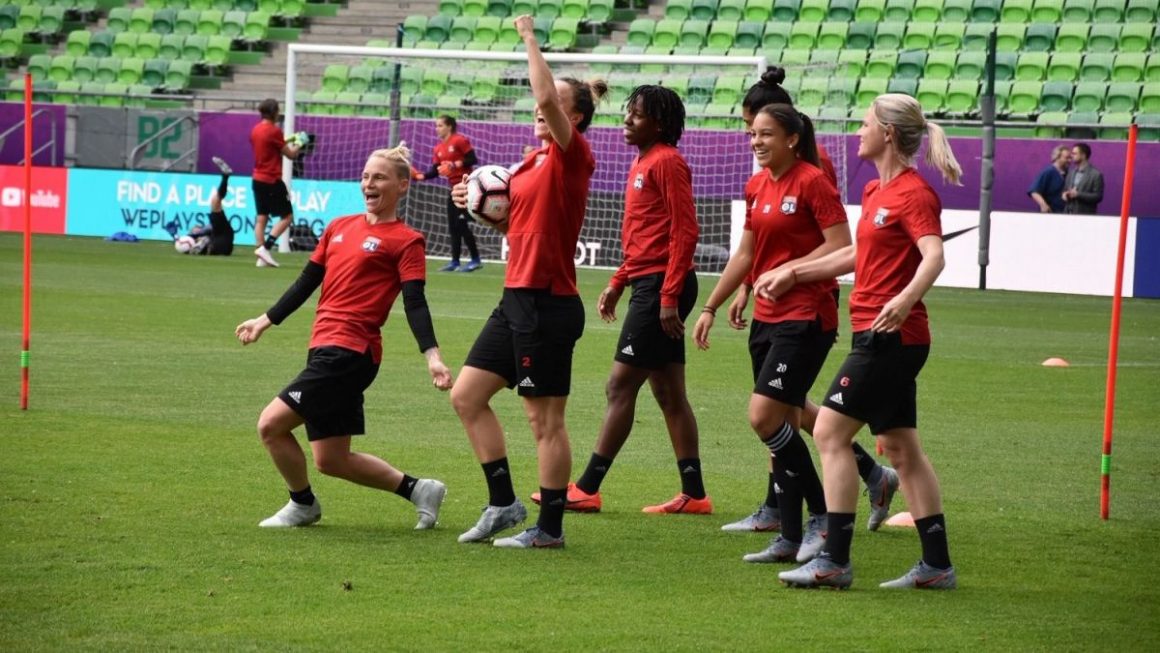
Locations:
column 881, row 482
column 270, row 194
column 793, row 215
column 897, row 257
column 454, row 159
column 362, row 263
column 527, row 342
column 659, row 235
column 218, row 238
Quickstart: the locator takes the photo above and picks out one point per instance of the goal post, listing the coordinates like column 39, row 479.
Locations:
column 342, row 95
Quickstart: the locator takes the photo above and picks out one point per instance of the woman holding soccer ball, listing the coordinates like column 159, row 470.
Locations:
column 362, row 262
column 527, row 342
column 896, row 259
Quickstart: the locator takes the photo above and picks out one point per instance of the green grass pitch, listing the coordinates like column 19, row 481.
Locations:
column 131, row 490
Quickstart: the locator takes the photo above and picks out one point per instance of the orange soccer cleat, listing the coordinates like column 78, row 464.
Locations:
column 682, row 503
column 578, row 500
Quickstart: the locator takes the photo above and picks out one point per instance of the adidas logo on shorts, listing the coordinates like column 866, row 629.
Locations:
column 527, row 382
column 627, row 351
column 296, row 395
column 837, row 398
column 776, row 383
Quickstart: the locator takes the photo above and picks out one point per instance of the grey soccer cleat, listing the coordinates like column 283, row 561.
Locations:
column 293, row 514
column 765, row 519
column 779, row 550
column 819, row 572
column 881, row 493
column 427, row 495
column 222, row 165
column 533, row 538
column 924, row 577
column 814, row 539
column 493, row 520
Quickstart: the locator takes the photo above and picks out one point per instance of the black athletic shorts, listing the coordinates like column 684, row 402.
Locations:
column 787, row 357
column 221, row 235
column 272, row 199
column 328, row 394
column 528, row 340
column 642, row 342
column 876, row 383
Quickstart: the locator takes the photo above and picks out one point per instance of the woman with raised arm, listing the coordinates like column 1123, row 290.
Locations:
column 527, row 342
column 896, row 259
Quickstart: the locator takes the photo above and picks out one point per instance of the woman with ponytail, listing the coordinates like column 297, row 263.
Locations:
column 793, row 215
column 527, row 342
column 896, row 259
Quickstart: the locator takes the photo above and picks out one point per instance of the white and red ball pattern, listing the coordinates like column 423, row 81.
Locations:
column 487, row 195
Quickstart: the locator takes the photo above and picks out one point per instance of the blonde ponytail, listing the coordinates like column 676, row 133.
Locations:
column 904, row 114
column 939, row 154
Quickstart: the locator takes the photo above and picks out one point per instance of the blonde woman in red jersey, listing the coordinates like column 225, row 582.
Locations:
column 793, row 215
column 881, row 481
column 454, row 158
column 527, row 342
column 896, row 259
column 659, row 236
column 362, row 262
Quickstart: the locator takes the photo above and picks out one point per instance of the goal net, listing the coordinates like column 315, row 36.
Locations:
column 346, row 98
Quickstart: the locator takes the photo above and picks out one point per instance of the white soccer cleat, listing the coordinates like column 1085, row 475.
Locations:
column 264, row 256
column 427, row 496
column 294, row 514
column 222, row 165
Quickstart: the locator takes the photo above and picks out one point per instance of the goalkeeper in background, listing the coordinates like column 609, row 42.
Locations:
column 271, row 197
column 454, row 160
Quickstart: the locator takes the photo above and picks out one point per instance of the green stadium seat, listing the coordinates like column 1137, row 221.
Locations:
column 1064, row 66
column 640, row 32
column 820, row 59
column 178, row 74
column 86, row 95
column 153, row 74
column 51, row 20
column 956, row 11
column 667, row 33
column 115, row 93
column 1040, row 37
column 970, row 65
column 499, row 8
column 861, row 35
column 414, row 29
column 678, row 9
column 148, row 46
column 523, row 7
column 758, row 11
column 124, row 44
column 731, row 10
column 1056, row 96
column 1108, row 11
column 832, row 35
column 1002, row 97
column 1050, row 124
column 1149, row 124
column 66, row 92
column 257, row 27
column 233, row 24
column 438, row 28
column 1152, row 68
column 1118, row 123
column 9, row 16
column 841, row 11
column 910, row 64
column 776, row 36
column 209, row 22
column 476, row 8
column 940, row 65
column 1123, row 96
column 171, row 46
column 459, row 83
column 1136, row 37
column 1129, row 67
column 600, row 11
column 785, row 11
column 927, row 11
column 795, row 59
column 701, row 88
column 60, row 68
column 631, row 67
column 730, row 89
column 880, row 63
column 962, row 97
column 450, row 8
column 383, row 79
column 186, row 22
column 78, row 41
column 889, row 36
column 486, row 30
column 869, row 89
column 549, row 9
column 85, row 69
column 813, row 11
column 107, row 70
column 358, row 79
column 932, row 94
column 12, row 42
column 141, row 20
column 841, row 92
column 486, row 86
column 898, row 11
column 655, row 68
column 574, row 9
column 749, row 34
column 1024, row 97
column 217, row 50
column 1089, row 96
column 164, row 21
column 705, row 10
column 1032, row 66
column 919, row 36
column 434, row 82
column 721, row 34
column 1009, row 37
column 1047, row 11
column 1072, row 37
column 1078, row 11
column 38, row 66
column 410, row 80
column 462, row 29
column 131, row 71
column 870, row 11
column 118, row 20
column 975, row 36
column 508, row 35
column 1005, row 64
column 852, row 63
column 985, row 11
column 1141, row 11
column 454, row 45
column 1103, row 37
column 812, row 91
column 693, row 33
column 1150, row 98
column 1097, row 67
column 904, row 85
column 1016, row 11
column 563, row 34
column 195, row 47
column 949, row 36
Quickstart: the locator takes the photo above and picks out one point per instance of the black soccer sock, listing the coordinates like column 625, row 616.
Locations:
column 270, row 242
column 594, row 473
column 791, row 452
column 499, row 483
column 789, row 502
column 867, row 466
column 771, row 491
column 552, row 504
column 691, row 482
column 932, row 532
column 469, row 240
column 304, row 497
column 223, row 187
column 839, row 534
column 405, row 488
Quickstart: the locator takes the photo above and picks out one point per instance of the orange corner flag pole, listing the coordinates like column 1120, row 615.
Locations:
column 27, row 298
column 1114, row 334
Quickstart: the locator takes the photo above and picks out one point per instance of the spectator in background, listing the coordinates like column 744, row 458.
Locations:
column 1047, row 189
column 1084, row 185
column 454, row 159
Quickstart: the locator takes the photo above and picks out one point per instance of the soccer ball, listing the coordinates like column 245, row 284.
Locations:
column 184, row 245
column 487, row 195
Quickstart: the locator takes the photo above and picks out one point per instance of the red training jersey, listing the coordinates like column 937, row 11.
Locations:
column 452, row 151
column 549, row 193
column 366, row 265
column 787, row 217
column 659, row 231
column 827, row 166
column 267, row 141
column 893, row 219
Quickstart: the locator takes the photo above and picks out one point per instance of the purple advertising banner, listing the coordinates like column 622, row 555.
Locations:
column 48, row 128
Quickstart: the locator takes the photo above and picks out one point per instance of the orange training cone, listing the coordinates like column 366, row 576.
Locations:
column 1056, row 362
column 901, row 520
